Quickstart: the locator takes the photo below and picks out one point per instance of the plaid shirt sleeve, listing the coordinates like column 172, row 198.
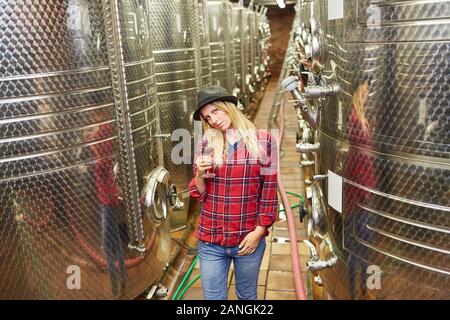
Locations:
column 268, row 202
column 193, row 190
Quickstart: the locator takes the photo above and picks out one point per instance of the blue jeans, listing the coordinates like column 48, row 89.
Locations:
column 357, row 258
column 215, row 263
column 113, row 249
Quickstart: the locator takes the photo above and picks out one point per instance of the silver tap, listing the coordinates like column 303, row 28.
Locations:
column 291, row 84
column 307, row 147
column 178, row 206
column 306, row 163
column 322, row 91
column 315, row 264
column 319, row 177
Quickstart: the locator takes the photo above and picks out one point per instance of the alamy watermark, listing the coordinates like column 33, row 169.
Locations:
column 74, row 279
column 374, row 17
column 374, row 279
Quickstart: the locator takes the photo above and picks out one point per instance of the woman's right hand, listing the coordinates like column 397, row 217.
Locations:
column 203, row 163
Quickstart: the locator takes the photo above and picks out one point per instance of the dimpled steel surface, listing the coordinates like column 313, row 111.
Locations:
column 391, row 60
column 238, row 18
column 60, row 130
column 221, row 43
column 177, row 52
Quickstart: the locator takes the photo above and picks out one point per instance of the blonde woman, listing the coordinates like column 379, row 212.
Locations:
column 360, row 170
column 360, row 137
column 236, row 184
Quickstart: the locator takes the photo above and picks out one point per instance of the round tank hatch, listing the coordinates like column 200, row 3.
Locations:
column 156, row 197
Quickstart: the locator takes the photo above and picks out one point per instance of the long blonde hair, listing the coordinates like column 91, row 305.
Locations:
column 358, row 102
column 241, row 124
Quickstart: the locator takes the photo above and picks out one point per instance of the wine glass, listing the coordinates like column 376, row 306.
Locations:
column 209, row 152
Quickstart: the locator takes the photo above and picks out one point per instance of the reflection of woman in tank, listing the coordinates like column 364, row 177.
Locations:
column 360, row 170
column 108, row 196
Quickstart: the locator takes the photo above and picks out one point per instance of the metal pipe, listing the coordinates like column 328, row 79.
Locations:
column 320, row 91
column 306, row 163
column 291, row 84
column 307, row 147
column 315, row 264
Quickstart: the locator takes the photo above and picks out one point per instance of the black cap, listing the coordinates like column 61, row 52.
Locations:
column 210, row 94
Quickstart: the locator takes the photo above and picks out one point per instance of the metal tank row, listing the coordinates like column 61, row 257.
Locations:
column 239, row 40
column 91, row 183
column 370, row 83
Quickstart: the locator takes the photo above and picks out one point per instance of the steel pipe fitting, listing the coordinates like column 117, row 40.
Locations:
column 322, row 91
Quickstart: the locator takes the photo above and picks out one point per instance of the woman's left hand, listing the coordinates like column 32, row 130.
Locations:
column 251, row 241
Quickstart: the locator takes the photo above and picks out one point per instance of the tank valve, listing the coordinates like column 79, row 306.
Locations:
column 306, row 163
column 291, row 84
column 174, row 201
column 302, row 212
column 139, row 248
column 179, row 205
column 318, row 281
column 307, row 147
column 315, row 264
column 319, row 177
column 321, row 264
column 161, row 292
column 321, row 91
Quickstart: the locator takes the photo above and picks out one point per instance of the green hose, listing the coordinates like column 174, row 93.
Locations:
column 180, row 297
column 292, row 207
column 297, row 195
column 187, row 275
column 302, row 201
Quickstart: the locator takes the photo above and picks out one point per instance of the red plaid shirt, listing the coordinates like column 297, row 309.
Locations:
column 105, row 183
column 241, row 196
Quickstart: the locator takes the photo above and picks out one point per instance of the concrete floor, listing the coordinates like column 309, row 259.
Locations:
column 276, row 280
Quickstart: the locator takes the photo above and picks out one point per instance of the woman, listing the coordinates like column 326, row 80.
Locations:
column 108, row 197
column 360, row 167
column 360, row 170
column 239, row 203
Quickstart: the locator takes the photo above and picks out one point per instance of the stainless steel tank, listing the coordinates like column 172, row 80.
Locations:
column 205, row 48
column 261, row 41
column 257, row 39
column 384, row 145
column 176, row 42
column 77, row 118
column 264, row 39
column 250, row 50
column 240, row 58
column 221, row 43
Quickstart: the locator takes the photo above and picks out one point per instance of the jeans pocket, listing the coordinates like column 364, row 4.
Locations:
column 203, row 243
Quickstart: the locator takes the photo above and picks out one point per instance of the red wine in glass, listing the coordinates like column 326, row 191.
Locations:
column 208, row 152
